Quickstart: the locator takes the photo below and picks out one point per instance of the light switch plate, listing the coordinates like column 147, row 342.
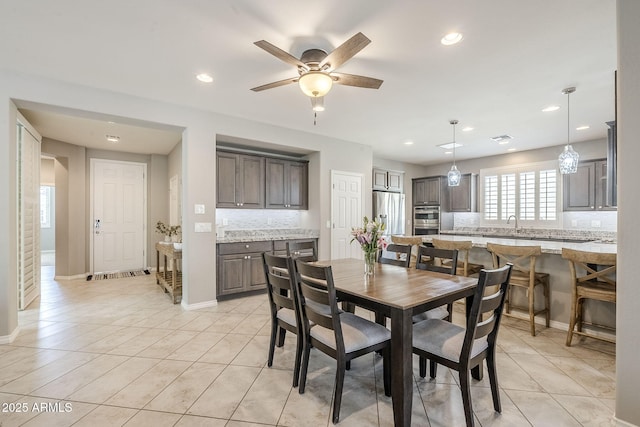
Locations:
column 202, row 227
column 199, row 209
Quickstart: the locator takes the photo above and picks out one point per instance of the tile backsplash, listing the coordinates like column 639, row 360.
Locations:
column 257, row 219
column 586, row 221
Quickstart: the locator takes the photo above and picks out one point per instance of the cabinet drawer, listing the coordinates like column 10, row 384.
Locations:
column 244, row 247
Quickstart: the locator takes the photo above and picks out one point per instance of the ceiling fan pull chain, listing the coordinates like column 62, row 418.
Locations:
column 315, row 117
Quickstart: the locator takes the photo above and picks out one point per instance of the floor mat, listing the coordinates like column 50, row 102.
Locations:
column 117, row 275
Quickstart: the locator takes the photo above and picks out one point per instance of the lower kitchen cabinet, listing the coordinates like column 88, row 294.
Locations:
column 240, row 267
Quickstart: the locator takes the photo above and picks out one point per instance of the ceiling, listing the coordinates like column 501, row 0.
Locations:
column 514, row 60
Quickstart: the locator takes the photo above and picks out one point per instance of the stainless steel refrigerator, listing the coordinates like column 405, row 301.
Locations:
column 389, row 209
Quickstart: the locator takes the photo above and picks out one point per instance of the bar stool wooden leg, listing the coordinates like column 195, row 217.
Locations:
column 547, row 302
column 572, row 321
column 532, row 315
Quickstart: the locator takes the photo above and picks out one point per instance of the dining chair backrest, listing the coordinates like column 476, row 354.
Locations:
column 465, row 268
column 306, row 251
column 486, row 310
column 396, row 255
column 430, row 258
column 280, row 281
column 318, row 301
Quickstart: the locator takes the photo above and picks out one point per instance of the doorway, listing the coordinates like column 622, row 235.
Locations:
column 346, row 212
column 118, row 216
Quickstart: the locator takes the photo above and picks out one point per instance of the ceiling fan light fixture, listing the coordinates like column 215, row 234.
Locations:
column 317, row 103
column 315, row 83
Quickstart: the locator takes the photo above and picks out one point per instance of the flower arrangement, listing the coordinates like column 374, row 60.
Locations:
column 370, row 238
column 167, row 230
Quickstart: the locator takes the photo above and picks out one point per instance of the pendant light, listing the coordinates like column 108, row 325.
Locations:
column 568, row 159
column 453, row 177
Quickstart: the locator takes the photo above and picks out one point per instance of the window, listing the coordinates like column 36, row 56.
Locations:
column 530, row 192
column 45, row 206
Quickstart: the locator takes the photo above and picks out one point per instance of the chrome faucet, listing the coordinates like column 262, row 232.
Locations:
column 516, row 218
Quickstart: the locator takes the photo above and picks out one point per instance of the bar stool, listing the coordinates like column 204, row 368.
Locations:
column 595, row 282
column 464, row 267
column 523, row 275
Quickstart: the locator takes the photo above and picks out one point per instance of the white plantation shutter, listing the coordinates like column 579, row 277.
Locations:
column 530, row 192
column 548, row 195
column 527, row 196
column 28, row 216
column 491, row 197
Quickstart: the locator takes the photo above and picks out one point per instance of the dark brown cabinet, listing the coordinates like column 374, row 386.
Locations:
column 240, row 267
column 286, row 184
column 240, row 181
column 386, row 180
column 426, row 191
column 586, row 190
column 462, row 198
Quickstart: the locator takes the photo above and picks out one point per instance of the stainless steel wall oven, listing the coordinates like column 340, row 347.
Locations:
column 426, row 220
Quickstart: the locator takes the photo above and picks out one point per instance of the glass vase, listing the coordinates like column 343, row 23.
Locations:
column 370, row 259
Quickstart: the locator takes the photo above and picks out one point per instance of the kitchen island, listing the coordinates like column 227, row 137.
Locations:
column 550, row 262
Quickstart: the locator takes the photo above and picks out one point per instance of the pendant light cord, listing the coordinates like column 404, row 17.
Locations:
column 568, row 119
column 454, row 144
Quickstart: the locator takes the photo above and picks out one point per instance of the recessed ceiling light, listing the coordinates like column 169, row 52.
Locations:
column 448, row 152
column 511, row 149
column 582, row 127
column 111, row 123
column 467, row 129
column 551, row 108
column 112, row 138
column 451, row 38
column 204, row 77
column 408, row 143
column 450, row 145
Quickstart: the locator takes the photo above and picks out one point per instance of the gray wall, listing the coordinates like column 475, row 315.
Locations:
column 628, row 313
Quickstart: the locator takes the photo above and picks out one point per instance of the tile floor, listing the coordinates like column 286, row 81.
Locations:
column 117, row 352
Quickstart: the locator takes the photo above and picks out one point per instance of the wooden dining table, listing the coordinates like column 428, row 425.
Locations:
column 399, row 293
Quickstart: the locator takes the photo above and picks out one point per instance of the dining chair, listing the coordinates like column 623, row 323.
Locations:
column 441, row 261
column 306, row 251
column 464, row 267
column 524, row 276
column 592, row 278
column 283, row 305
column 463, row 348
column 339, row 334
column 395, row 254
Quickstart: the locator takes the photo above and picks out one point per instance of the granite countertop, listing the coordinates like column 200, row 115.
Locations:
column 234, row 236
column 548, row 246
column 535, row 234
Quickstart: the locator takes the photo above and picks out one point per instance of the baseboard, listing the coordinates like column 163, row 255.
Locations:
column 199, row 305
column 74, row 277
column 8, row 339
column 539, row 320
column 621, row 423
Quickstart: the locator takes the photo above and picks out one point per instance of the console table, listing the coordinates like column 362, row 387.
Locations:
column 169, row 279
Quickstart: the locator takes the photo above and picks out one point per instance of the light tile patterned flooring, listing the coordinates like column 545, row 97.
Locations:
column 117, row 352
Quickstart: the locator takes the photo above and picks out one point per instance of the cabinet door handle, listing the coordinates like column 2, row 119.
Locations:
column 246, row 246
column 599, row 207
column 248, row 256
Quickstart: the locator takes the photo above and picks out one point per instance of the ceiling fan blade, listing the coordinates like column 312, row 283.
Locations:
column 345, row 51
column 275, row 84
column 280, row 54
column 358, row 81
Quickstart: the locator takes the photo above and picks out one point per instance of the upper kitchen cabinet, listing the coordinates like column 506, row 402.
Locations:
column 462, row 198
column 240, row 181
column 586, row 190
column 426, row 191
column 386, row 180
column 286, row 184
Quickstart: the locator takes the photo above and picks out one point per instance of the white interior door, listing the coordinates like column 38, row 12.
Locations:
column 118, row 227
column 28, row 213
column 346, row 212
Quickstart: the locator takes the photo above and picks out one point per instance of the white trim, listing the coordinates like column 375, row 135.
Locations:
column 199, row 305
column 622, row 423
column 8, row 339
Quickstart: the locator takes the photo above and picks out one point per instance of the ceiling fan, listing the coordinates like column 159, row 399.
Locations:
column 315, row 67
